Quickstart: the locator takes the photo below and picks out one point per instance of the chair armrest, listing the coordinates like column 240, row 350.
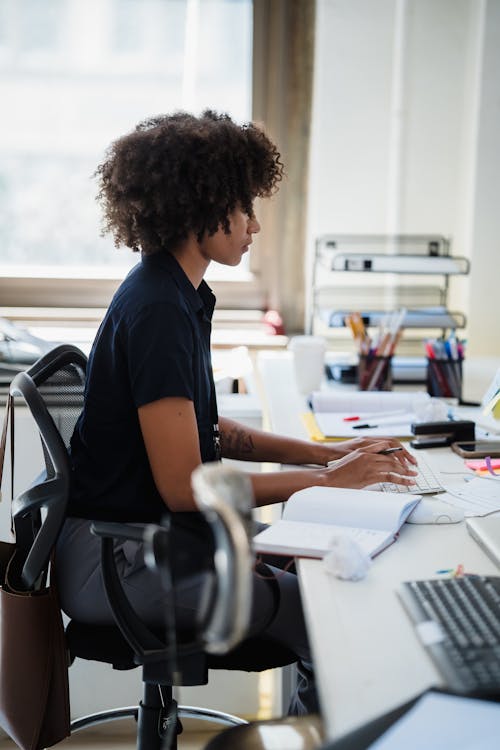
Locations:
column 140, row 637
column 143, row 640
column 125, row 532
column 226, row 499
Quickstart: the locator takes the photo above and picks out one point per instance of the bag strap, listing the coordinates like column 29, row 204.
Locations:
column 3, row 441
column 8, row 419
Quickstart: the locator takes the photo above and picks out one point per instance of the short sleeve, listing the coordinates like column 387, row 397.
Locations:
column 159, row 348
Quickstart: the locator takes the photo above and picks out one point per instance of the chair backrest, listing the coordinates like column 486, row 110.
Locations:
column 52, row 389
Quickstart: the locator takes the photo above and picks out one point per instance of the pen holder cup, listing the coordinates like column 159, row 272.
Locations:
column 374, row 373
column 444, row 378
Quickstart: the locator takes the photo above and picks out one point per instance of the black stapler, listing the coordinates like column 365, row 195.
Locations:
column 440, row 434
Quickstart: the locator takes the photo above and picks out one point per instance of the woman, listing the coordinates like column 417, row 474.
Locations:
column 180, row 190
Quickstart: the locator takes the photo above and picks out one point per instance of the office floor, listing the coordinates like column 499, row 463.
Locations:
column 194, row 737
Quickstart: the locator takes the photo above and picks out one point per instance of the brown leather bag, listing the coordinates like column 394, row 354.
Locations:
column 34, row 694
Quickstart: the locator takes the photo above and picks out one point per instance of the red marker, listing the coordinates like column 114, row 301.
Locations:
column 373, row 415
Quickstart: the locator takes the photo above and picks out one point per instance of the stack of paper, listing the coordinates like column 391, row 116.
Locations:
column 369, row 413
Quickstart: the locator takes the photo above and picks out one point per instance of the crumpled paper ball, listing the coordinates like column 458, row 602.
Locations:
column 346, row 559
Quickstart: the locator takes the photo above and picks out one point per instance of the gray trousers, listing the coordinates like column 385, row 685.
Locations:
column 82, row 596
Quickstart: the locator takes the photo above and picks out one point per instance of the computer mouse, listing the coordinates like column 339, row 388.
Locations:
column 435, row 511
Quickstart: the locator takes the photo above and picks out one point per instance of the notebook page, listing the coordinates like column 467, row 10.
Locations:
column 366, row 509
column 314, row 539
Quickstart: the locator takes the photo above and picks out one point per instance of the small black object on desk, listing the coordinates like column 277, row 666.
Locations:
column 441, row 434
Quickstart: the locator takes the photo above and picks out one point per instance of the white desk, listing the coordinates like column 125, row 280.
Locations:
column 367, row 656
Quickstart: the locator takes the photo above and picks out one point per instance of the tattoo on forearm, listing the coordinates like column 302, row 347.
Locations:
column 237, row 443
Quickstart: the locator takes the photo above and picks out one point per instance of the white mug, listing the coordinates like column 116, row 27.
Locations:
column 309, row 361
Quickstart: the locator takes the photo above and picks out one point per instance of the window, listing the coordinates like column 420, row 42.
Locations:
column 74, row 75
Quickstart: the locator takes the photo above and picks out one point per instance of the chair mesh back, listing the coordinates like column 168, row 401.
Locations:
column 63, row 393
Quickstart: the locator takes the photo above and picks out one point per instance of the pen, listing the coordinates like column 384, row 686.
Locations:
column 374, row 426
column 384, row 452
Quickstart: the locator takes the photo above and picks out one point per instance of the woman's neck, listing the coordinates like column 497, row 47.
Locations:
column 192, row 262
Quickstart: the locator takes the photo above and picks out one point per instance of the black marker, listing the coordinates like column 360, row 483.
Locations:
column 387, row 451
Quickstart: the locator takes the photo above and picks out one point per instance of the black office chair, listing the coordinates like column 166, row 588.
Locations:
column 52, row 389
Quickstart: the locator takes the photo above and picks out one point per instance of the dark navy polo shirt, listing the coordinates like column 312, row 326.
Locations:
column 154, row 342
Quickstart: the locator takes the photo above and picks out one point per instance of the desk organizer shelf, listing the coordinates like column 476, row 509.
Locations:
column 376, row 274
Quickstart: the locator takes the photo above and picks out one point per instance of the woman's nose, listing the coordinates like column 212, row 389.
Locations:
column 253, row 225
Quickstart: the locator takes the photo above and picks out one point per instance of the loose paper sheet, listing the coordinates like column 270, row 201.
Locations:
column 445, row 722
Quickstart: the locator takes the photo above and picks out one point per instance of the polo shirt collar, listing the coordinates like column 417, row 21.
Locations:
column 199, row 299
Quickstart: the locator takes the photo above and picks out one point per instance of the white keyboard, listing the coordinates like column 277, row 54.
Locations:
column 426, row 482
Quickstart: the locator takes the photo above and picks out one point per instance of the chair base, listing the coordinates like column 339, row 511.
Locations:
column 299, row 732
column 131, row 712
column 208, row 714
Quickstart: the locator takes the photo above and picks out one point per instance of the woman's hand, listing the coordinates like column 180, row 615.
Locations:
column 365, row 466
column 345, row 447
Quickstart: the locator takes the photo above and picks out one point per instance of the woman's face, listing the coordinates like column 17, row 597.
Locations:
column 228, row 249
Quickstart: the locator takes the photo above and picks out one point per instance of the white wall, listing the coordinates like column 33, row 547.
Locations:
column 406, row 133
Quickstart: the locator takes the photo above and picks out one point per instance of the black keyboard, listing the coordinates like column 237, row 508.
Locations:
column 458, row 622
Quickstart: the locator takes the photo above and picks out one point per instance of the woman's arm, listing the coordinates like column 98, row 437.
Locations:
column 170, row 434
column 356, row 470
column 247, row 444
column 358, row 463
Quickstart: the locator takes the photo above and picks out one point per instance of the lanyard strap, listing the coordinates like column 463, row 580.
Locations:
column 215, row 420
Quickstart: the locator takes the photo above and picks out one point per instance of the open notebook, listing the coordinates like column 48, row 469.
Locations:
column 314, row 516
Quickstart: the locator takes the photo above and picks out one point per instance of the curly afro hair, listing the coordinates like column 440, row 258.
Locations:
column 176, row 174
